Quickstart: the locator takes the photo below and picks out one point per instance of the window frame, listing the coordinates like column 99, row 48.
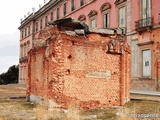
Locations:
column 82, row 2
column 57, row 11
column 41, row 23
column 51, row 17
column 146, row 13
column 91, row 19
column 124, row 17
column 73, row 5
column 22, row 34
column 37, row 26
column 46, row 20
column 108, row 20
column 142, row 47
column 29, row 30
column 64, row 8
column 25, row 32
column 93, row 15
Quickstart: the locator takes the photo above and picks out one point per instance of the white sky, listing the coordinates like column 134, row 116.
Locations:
column 11, row 12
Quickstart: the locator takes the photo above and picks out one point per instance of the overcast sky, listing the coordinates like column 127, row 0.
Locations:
column 11, row 12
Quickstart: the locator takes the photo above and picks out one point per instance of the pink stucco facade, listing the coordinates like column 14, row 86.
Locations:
column 142, row 32
column 144, row 40
column 136, row 12
column 26, row 40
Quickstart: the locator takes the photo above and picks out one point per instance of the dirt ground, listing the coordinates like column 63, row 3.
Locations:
column 19, row 109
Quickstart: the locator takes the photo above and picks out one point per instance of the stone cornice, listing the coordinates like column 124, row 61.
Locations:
column 40, row 12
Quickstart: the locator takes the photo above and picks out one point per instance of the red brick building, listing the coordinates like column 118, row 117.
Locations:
column 95, row 13
column 73, row 63
column 140, row 19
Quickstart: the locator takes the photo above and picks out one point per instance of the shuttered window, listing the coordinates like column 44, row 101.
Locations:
column 93, row 23
column 122, row 17
column 135, row 58
column 146, row 9
column 106, row 20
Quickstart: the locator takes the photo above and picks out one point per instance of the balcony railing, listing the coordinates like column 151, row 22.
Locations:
column 143, row 23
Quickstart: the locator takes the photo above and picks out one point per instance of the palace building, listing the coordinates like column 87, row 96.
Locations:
column 139, row 19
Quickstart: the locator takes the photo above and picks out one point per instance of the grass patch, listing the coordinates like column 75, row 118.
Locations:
column 28, row 105
column 101, row 113
column 5, row 100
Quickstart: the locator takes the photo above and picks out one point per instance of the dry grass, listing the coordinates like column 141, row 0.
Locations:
column 22, row 110
column 19, row 109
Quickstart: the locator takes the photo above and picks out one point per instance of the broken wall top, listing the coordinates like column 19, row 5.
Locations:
column 73, row 28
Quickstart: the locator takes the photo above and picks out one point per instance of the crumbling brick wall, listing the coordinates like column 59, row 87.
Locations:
column 65, row 67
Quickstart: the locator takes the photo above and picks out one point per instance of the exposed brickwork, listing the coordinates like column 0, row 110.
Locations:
column 70, row 68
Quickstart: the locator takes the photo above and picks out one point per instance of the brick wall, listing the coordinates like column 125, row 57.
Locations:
column 72, row 68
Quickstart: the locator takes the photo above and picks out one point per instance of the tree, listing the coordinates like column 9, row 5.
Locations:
column 11, row 76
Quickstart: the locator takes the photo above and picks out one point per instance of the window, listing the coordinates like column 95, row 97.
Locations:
column 46, row 20
column 146, row 9
column 24, row 50
column 21, row 73
column 106, row 20
column 135, row 58
column 72, row 5
column 57, row 13
column 21, row 51
column 25, row 32
column 92, row 15
column 122, row 16
column 22, row 34
column 51, row 16
column 28, row 30
column 24, row 73
column 93, row 23
column 28, row 47
column 105, row 8
column 41, row 23
column 146, row 61
column 64, row 9
column 36, row 26
column 81, row 2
